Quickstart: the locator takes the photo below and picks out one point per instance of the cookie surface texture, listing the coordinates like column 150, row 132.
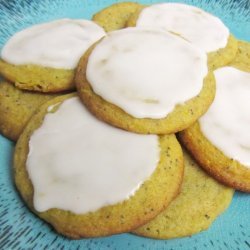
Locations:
column 150, row 199
column 115, row 17
column 200, row 201
column 37, row 78
column 221, row 167
column 16, row 108
column 242, row 58
column 182, row 116
column 223, row 56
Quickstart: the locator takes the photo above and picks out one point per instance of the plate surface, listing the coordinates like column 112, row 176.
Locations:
column 20, row 229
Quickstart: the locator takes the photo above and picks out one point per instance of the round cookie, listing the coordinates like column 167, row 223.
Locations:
column 216, row 59
column 242, row 58
column 200, row 201
column 16, row 108
column 150, row 199
column 43, row 57
column 181, row 117
column 225, row 169
column 115, row 16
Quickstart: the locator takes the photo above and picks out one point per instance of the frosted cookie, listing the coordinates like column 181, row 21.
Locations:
column 199, row 203
column 43, row 57
column 200, row 28
column 115, row 16
column 78, row 176
column 16, row 108
column 145, row 81
column 220, row 142
column 242, row 58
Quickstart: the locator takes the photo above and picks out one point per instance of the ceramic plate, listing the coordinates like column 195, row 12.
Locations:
column 20, row 229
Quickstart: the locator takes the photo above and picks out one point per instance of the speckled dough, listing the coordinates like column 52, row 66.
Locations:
column 200, row 201
column 223, row 56
column 151, row 198
column 217, row 58
column 180, row 118
column 16, row 108
column 226, row 170
column 115, row 16
column 38, row 78
column 242, row 58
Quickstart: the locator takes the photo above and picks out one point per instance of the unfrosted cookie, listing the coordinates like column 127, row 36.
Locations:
column 126, row 94
column 115, row 16
column 220, row 141
column 16, row 108
column 242, row 58
column 43, row 57
column 201, row 200
column 150, row 199
column 200, row 28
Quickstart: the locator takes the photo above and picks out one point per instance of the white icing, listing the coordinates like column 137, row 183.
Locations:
column 51, row 108
column 81, row 164
column 57, row 44
column 227, row 122
column 205, row 31
column 146, row 72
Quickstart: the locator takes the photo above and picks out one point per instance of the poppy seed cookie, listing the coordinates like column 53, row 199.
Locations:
column 148, row 201
column 201, row 200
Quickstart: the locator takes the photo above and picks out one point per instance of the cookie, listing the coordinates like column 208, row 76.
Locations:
column 182, row 19
column 43, row 57
column 115, row 16
column 242, row 58
column 150, row 199
column 180, row 116
column 201, row 200
column 16, row 108
column 220, row 140
column 37, row 78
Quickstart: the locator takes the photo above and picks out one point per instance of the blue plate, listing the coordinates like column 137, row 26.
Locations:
column 20, row 229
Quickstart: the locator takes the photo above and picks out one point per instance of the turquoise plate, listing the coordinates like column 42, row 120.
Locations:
column 20, row 229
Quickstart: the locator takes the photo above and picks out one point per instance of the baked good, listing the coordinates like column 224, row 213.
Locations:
column 150, row 199
column 16, row 108
column 203, row 30
column 219, row 141
column 43, row 57
column 130, row 88
column 115, row 16
column 201, row 200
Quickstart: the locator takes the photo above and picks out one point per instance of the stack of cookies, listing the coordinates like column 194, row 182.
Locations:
column 154, row 141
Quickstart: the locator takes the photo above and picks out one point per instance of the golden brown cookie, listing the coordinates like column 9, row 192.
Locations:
column 199, row 203
column 38, row 78
column 242, row 58
column 216, row 59
column 181, row 117
column 226, row 170
column 16, row 108
column 115, row 16
column 151, row 198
